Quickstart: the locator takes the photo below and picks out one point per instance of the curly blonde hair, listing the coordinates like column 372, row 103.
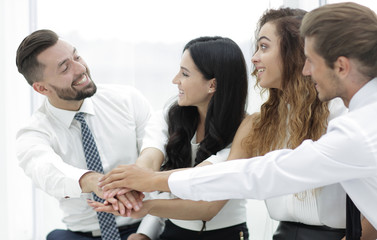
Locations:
column 294, row 113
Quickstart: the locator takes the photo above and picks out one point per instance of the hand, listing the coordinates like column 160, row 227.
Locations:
column 129, row 199
column 117, row 205
column 132, row 200
column 128, row 176
column 113, row 192
column 122, row 211
column 105, row 207
column 138, row 236
column 142, row 212
column 89, row 183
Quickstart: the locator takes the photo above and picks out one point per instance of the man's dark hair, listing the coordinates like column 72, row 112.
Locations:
column 29, row 49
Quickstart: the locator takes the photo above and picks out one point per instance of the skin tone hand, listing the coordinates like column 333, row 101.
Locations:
column 105, row 207
column 135, row 177
column 89, row 183
column 127, row 199
column 138, row 236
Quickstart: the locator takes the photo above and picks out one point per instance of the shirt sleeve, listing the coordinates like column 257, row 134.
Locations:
column 220, row 156
column 151, row 226
column 46, row 169
column 313, row 164
column 142, row 112
column 156, row 132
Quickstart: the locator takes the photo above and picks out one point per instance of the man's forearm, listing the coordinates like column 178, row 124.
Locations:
column 89, row 182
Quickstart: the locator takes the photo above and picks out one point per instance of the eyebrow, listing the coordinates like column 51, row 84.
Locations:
column 264, row 37
column 185, row 69
column 65, row 60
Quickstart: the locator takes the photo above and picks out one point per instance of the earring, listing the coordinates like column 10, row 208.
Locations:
column 210, row 91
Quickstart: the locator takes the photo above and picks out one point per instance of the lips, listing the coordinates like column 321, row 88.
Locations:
column 81, row 81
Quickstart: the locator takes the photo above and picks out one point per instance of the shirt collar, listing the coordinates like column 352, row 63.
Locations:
column 364, row 95
column 66, row 116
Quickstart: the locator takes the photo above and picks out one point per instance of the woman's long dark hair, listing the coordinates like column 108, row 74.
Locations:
column 219, row 58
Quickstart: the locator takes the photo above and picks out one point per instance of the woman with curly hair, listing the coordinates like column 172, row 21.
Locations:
column 291, row 114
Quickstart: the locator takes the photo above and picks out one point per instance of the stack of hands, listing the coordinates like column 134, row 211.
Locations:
column 117, row 188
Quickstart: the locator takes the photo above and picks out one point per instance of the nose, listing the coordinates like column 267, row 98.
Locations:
column 175, row 80
column 255, row 58
column 79, row 67
column 306, row 68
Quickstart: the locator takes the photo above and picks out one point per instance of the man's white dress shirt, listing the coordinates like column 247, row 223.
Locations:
column 347, row 153
column 49, row 147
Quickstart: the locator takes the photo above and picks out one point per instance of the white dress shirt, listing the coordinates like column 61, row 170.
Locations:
column 49, row 147
column 347, row 153
column 321, row 206
column 233, row 212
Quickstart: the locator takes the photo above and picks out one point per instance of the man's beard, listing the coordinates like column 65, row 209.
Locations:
column 71, row 94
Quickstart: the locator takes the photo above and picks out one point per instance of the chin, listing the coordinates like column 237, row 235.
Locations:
column 261, row 84
column 264, row 84
column 182, row 104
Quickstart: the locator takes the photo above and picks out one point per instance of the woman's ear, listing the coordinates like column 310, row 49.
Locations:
column 212, row 85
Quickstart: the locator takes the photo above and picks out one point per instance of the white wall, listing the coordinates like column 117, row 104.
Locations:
column 14, row 107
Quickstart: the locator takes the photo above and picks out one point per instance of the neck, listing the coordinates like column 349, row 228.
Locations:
column 66, row 105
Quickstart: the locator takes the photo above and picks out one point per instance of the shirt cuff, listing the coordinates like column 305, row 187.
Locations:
column 151, row 226
column 72, row 185
column 179, row 184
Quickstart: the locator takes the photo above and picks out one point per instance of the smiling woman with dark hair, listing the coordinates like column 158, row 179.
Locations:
column 212, row 84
